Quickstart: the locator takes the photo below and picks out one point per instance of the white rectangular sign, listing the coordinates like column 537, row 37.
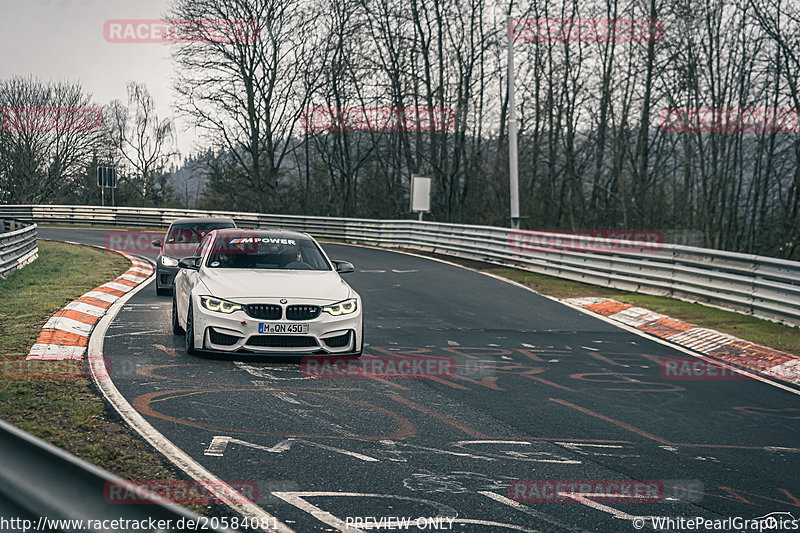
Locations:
column 420, row 194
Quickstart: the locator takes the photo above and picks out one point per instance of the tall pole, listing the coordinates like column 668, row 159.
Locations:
column 513, row 176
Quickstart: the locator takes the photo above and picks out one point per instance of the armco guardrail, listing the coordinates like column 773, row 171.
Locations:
column 41, row 484
column 761, row 286
column 17, row 245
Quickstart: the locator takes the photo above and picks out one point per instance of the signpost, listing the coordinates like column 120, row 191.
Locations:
column 106, row 177
column 513, row 180
column 420, row 194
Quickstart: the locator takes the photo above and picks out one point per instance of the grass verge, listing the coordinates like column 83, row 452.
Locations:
column 69, row 413
column 750, row 328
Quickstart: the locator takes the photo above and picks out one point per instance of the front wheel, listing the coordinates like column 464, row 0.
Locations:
column 190, row 349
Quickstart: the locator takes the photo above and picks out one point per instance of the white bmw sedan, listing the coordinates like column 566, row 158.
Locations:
column 266, row 292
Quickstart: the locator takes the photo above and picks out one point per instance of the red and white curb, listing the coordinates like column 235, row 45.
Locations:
column 66, row 334
column 721, row 346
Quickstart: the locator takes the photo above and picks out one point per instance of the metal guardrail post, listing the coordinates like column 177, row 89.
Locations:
column 17, row 246
column 39, row 480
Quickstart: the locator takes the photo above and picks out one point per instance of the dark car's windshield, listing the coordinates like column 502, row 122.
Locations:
column 193, row 233
column 269, row 252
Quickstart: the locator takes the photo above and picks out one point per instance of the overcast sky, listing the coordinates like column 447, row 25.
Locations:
column 63, row 40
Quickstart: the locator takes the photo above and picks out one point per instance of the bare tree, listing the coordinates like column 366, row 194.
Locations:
column 248, row 92
column 143, row 144
column 48, row 131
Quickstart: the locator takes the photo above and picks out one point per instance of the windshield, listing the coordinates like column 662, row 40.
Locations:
column 267, row 252
column 193, row 233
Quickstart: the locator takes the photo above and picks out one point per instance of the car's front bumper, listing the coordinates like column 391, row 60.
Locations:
column 238, row 332
column 165, row 276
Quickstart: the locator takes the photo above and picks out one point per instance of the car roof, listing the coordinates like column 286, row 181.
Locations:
column 202, row 220
column 264, row 232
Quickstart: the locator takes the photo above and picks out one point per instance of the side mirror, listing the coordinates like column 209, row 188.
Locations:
column 343, row 267
column 189, row 262
column 156, row 243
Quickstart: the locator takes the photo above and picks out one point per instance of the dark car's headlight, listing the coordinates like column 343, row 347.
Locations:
column 342, row 308
column 219, row 305
column 169, row 261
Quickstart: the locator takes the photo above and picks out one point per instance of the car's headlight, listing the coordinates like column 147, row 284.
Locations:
column 342, row 308
column 169, row 261
column 218, row 305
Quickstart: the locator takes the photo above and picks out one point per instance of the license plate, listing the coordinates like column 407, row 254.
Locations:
column 285, row 329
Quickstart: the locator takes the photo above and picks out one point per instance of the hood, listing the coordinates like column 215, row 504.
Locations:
column 255, row 284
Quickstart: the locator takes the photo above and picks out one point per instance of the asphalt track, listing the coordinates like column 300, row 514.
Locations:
column 542, row 392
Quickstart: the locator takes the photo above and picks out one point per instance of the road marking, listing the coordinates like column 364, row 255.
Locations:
column 577, row 447
column 616, row 513
column 442, row 452
column 575, row 444
column 169, row 351
column 134, row 333
column 466, row 428
column 525, row 509
column 605, row 418
column 219, row 444
column 266, row 374
column 184, row 395
column 519, row 456
column 296, row 499
column 502, row 499
column 286, row 397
